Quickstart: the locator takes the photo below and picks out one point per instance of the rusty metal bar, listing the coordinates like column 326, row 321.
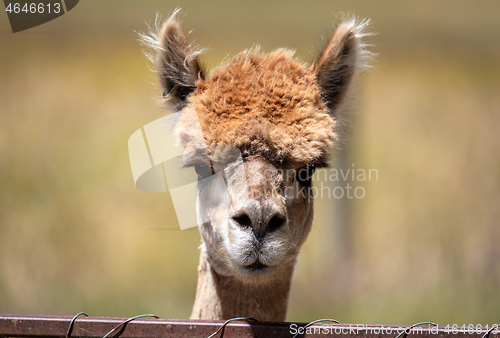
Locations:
column 45, row 326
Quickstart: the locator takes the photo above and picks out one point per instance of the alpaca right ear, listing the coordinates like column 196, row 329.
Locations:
column 337, row 64
column 176, row 63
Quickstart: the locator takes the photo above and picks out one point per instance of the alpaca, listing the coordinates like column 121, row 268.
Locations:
column 265, row 122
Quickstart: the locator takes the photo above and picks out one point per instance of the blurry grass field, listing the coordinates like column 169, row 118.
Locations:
column 76, row 235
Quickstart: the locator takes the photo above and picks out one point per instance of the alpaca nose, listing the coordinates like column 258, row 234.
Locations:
column 261, row 219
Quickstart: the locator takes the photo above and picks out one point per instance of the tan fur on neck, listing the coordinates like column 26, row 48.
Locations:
column 223, row 297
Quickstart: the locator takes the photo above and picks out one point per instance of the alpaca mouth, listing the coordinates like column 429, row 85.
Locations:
column 256, row 266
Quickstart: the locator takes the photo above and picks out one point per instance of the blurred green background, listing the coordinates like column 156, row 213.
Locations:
column 424, row 243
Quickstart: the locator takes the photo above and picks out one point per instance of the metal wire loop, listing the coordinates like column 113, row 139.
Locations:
column 128, row 321
column 405, row 333
column 487, row 334
column 72, row 323
column 223, row 326
column 316, row 321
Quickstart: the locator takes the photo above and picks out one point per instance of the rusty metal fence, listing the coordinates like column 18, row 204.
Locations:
column 46, row 326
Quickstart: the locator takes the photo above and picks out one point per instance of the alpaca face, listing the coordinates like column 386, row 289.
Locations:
column 259, row 215
column 261, row 130
column 255, row 130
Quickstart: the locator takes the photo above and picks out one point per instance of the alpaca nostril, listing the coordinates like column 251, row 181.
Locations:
column 275, row 223
column 243, row 221
column 260, row 220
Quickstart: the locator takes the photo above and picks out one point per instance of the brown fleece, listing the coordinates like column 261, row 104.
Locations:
column 268, row 105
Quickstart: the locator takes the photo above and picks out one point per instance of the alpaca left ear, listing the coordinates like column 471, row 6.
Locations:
column 338, row 62
column 175, row 60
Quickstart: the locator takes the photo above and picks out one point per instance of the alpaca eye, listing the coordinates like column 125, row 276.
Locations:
column 305, row 174
column 203, row 171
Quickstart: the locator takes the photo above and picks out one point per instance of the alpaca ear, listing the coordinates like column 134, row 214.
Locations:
column 337, row 64
column 176, row 63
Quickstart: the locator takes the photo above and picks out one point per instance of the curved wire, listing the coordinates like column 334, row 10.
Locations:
column 314, row 322
column 405, row 333
column 223, row 326
column 487, row 334
column 72, row 323
column 128, row 321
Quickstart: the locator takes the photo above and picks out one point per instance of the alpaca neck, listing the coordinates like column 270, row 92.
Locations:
column 220, row 297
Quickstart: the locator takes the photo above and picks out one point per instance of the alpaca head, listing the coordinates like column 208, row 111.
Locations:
column 255, row 130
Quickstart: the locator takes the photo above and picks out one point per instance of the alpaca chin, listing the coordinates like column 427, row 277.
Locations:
column 257, row 273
